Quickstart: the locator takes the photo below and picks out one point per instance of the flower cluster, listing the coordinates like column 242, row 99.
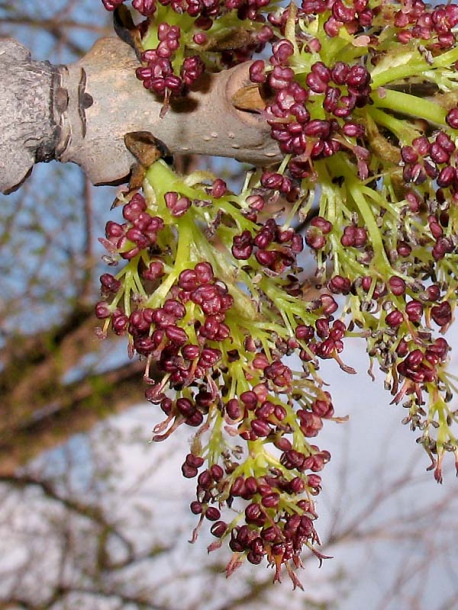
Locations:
column 217, row 336
column 187, row 37
column 212, row 293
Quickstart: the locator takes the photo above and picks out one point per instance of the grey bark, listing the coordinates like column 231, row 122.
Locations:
column 80, row 113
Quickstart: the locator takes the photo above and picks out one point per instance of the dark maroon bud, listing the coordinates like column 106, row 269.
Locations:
column 446, row 177
column 134, row 208
column 403, row 249
column 190, row 352
column 313, row 480
column 144, row 345
column 175, row 308
column 254, row 558
column 434, row 227
column 205, row 480
column 255, row 514
column 209, row 357
column 219, row 188
column 177, row 205
column 185, row 407
column 218, row 529
column 339, row 285
column 212, row 513
column 440, row 347
column 305, row 333
column 161, row 318
column 433, row 292
column 340, row 72
column 138, row 322
column 414, row 359
column 322, row 71
column 414, row 201
column 204, row 399
column 271, row 500
column 258, row 72
column 402, row 348
column 189, row 472
column 196, row 508
column 328, row 304
column 235, row 545
column 292, row 459
column 296, row 485
column 397, row 285
column 242, row 247
column 257, row 546
column 256, row 202
column 282, row 50
column 114, row 230
column 301, row 113
column 265, row 34
column 102, row 310
column 442, row 313
column 251, row 486
column 266, row 410
column 280, row 77
column 322, row 327
column 270, row 534
column 414, row 311
column 321, row 223
column 342, row 13
column 409, row 154
column 438, row 154
column 318, row 129
column 110, row 283
column 358, row 78
column 348, row 238
column 452, row 118
column 176, row 335
column 194, row 460
column 282, row 443
column 155, row 271
column 119, row 322
column 315, row 83
column 394, row 318
column 217, row 472
column 188, row 280
column 314, row 239
column 445, row 142
column 137, row 237
column 238, row 487
column 266, row 257
column 280, row 412
column 322, row 408
column 421, row 145
column 200, row 38
column 260, row 427
column 271, row 180
column 353, row 130
column 249, row 399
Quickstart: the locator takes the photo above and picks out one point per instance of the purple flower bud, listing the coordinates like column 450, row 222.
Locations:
column 452, row 118
column 394, row 318
column 414, row 311
column 258, row 72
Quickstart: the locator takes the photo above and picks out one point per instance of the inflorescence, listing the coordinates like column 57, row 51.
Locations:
column 212, row 291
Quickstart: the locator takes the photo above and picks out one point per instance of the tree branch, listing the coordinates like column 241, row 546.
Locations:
column 86, row 108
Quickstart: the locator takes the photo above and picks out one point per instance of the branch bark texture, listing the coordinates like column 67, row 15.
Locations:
column 80, row 113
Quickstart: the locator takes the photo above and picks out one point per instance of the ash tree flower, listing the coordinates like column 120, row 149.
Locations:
column 211, row 288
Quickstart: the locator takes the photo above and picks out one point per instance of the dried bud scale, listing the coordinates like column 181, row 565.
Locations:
column 210, row 289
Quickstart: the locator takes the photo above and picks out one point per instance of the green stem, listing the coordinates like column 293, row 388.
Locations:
column 410, row 105
column 353, row 186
